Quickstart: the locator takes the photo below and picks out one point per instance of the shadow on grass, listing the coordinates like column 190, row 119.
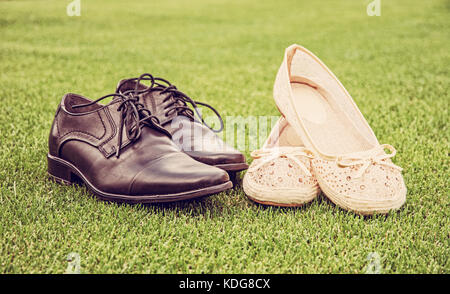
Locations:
column 336, row 210
column 231, row 202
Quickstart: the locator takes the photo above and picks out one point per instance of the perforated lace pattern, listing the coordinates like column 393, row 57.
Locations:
column 282, row 172
column 377, row 182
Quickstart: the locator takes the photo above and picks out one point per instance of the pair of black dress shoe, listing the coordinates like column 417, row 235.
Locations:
column 146, row 145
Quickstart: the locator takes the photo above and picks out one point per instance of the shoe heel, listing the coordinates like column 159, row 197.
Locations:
column 59, row 172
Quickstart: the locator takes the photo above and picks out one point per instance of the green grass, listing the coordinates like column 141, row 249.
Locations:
column 226, row 53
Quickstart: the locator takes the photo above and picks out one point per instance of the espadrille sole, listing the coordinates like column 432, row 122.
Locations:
column 279, row 197
column 359, row 205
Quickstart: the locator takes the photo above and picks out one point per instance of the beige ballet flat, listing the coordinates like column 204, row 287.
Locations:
column 351, row 167
column 281, row 173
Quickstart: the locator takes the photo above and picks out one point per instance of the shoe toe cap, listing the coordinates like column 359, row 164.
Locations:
column 176, row 173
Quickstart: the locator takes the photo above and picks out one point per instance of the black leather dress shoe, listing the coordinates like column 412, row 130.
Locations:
column 192, row 135
column 122, row 153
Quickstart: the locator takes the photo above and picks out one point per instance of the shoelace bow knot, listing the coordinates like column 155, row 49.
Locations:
column 133, row 117
column 375, row 156
column 267, row 155
column 179, row 99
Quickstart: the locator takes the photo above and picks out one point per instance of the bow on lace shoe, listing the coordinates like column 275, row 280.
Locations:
column 374, row 156
column 267, row 155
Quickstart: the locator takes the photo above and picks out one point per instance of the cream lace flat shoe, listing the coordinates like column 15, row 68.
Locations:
column 281, row 173
column 351, row 167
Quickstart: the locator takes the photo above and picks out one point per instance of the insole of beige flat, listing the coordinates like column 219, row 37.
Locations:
column 287, row 136
column 328, row 126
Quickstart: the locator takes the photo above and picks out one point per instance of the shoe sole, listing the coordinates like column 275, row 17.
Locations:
column 269, row 203
column 265, row 196
column 63, row 172
column 233, row 167
column 357, row 206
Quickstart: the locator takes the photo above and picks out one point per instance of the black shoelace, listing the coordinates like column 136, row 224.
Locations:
column 133, row 117
column 179, row 99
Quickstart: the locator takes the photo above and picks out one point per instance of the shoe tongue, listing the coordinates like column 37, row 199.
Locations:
column 156, row 102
